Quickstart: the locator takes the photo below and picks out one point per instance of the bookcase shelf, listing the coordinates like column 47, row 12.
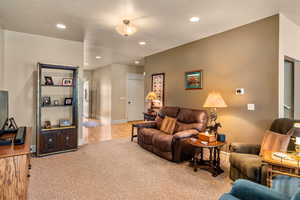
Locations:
column 70, row 86
column 51, row 106
column 56, row 139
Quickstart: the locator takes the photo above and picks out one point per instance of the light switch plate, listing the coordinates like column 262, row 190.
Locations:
column 251, row 106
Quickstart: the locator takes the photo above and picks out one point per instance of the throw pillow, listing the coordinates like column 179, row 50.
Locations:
column 168, row 125
column 273, row 141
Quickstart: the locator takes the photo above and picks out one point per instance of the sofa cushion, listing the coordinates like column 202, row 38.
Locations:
column 183, row 126
column 192, row 116
column 162, row 141
column 248, row 164
column 168, row 125
column 274, row 142
column 147, row 134
column 159, row 121
column 169, row 111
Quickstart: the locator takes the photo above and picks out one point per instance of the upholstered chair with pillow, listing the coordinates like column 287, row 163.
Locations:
column 245, row 159
column 173, row 124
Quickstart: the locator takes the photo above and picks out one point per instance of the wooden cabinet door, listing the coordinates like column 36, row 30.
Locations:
column 68, row 139
column 48, row 142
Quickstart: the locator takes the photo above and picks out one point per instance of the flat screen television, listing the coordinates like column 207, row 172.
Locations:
column 3, row 107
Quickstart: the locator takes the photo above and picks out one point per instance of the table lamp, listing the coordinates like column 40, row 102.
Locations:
column 296, row 134
column 214, row 100
column 151, row 96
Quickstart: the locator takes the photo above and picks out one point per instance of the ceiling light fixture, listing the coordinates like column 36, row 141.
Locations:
column 142, row 43
column 137, row 62
column 61, row 26
column 98, row 57
column 126, row 28
column 194, row 19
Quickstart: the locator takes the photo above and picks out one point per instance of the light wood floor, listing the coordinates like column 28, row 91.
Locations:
column 107, row 132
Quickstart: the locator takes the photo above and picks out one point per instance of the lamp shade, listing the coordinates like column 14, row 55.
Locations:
column 214, row 100
column 296, row 130
column 151, row 96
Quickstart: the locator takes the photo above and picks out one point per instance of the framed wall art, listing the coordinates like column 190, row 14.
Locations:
column 158, row 86
column 193, row 80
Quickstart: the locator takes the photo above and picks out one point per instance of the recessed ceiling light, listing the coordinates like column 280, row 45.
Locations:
column 194, row 19
column 98, row 57
column 137, row 62
column 142, row 43
column 61, row 26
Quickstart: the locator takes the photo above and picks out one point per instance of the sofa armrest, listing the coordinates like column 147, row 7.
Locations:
column 150, row 124
column 245, row 148
column 247, row 190
column 185, row 134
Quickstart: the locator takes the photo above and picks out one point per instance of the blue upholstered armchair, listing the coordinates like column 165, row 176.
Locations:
column 247, row 190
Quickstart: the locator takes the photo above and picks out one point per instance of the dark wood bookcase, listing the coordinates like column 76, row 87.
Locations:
column 57, row 138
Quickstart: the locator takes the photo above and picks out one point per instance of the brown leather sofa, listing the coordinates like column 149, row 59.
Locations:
column 189, row 123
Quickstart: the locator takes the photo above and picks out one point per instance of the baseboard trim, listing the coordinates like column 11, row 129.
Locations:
column 118, row 121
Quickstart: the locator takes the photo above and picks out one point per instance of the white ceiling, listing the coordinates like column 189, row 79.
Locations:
column 163, row 24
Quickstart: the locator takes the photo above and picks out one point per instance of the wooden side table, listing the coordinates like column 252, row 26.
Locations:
column 213, row 164
column 132, row 131
column 279, row 167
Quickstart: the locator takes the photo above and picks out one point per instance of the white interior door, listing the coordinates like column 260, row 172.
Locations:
column 135, row 97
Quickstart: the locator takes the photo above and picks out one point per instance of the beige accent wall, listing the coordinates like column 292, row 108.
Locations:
column 244, row 57
column 289, row 46
column 109, row 91
column 22, row 52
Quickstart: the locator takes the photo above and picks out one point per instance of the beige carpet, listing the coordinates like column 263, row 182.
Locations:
column 120, row 170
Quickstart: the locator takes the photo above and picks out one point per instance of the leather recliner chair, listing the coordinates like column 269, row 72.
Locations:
column 189, row 123
column 245, row 162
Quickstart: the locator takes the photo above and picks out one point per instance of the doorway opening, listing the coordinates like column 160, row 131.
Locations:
column 289, row 89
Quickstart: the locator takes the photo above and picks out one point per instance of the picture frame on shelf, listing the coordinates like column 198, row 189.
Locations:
column 193, row 80
column 48, row 80
column 68, row 101
column 56, row 102
column 64, row 123
column 47, row 124
column 67, row 82
column 46, row 100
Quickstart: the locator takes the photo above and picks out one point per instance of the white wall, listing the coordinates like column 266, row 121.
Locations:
column 1, row 57
column 289, row 45
column 22, row 51
column 109, row 92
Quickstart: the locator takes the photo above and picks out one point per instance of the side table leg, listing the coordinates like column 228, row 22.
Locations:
column 211, row 163
column 195, row 159
column 269, row 177
column 132, row 132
